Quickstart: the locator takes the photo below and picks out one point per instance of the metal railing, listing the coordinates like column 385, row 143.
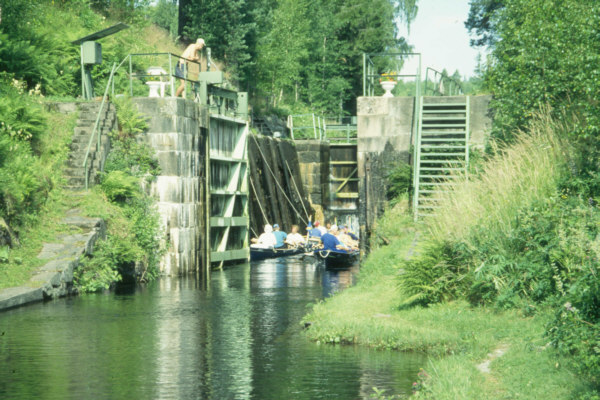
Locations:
column 318, row 127
column 96, row 124
column 393, row 65
column 441, row 84
column 202, row 85
column 225, row 101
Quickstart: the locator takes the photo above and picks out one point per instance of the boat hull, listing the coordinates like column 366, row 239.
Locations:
column 257, row 254
column 338, row 259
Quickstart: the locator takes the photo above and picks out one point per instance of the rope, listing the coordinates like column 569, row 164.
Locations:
column 324, row 251
column 258, row 201
column 275, row 179
column 296, row 187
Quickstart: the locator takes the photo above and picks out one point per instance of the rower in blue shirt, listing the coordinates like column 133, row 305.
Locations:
column 331, row 242
column 280, row 236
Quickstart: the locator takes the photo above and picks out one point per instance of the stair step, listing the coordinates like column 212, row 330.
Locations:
column 443, row 161
column 443, row 133
column 443, row 125
column 443, row 154
column 75, row 181
column 74, row 171
column 441, row 169
column 431, row 118
column 445, row 146
column 444, row 104
column 443, row 111
column 451, row 184
column 439, row 176
column 432, row 140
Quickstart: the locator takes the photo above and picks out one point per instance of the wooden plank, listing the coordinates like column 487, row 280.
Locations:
column 347, row 195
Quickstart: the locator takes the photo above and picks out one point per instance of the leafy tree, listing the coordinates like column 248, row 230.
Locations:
column 482, row 20
column 165, row 14
column 224, row 25
column 547, row 52
column 297, row 53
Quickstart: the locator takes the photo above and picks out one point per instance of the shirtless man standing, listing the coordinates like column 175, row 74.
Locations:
column 191, row 54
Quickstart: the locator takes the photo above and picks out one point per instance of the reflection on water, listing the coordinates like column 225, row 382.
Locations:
column 239, row 338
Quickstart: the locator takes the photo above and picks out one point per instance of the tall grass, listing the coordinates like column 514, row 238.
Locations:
column 469, row 249
column 517, row 176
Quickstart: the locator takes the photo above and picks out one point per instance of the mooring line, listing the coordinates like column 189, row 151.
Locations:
column 296, row 187
column 258, row 201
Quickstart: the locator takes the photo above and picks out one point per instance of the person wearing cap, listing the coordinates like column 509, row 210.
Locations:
column 315, row 232
column 266, row 239
column 280, row 236
column 332, row 242
column 189, row 54
column 294, row 239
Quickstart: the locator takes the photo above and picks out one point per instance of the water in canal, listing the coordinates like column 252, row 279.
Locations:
column 239, row 338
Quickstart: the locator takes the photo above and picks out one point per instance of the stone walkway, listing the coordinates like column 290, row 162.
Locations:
column 55, row 278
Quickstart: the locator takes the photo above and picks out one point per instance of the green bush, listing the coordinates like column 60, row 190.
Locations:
column 100, row 272
column 119, row 186
column 399, row 181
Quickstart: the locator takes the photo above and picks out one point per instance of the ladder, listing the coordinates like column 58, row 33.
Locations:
column 441, row 152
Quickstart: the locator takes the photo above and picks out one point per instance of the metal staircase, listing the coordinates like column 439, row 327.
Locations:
column 441, row 152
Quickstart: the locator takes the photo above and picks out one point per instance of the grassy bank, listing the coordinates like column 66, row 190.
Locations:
column 508, row 267
column 457, row 336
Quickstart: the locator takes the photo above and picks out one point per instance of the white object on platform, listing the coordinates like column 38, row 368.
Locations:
column 388, row 86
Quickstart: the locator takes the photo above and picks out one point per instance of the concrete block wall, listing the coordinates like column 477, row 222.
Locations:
column 177, row 132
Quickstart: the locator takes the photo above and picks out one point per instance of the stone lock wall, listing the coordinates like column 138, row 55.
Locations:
column 313, row 158
column 177, row 132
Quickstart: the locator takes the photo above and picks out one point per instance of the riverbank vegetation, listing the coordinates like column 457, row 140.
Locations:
column 134, row 241
column 39, row 66
column 502, row 287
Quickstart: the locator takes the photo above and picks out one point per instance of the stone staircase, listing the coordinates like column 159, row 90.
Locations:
column 75, row 173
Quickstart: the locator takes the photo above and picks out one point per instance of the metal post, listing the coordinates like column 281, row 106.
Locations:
column 314, row 125
column 82, row 72
column 364, row 74
column 208, row 58
column 467, row 135
column 130, row 77
column 319, row 125
column 171, row 79
column 292, row 126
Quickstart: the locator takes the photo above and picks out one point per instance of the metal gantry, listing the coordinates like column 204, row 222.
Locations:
column 227, row 172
